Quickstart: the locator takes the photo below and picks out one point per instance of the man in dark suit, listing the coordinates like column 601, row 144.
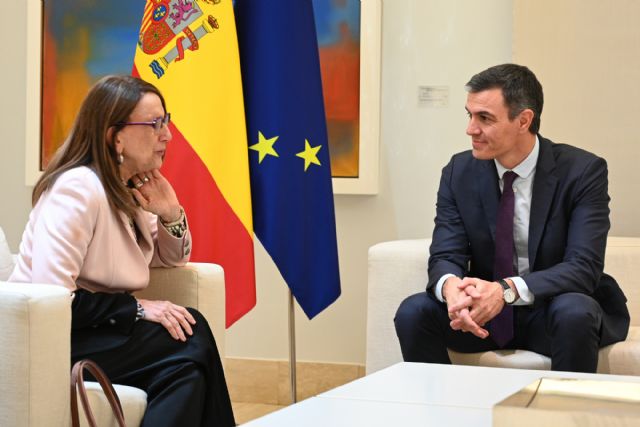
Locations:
column 518, row 246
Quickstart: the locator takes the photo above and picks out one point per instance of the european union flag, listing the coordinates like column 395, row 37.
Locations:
column 291, row 190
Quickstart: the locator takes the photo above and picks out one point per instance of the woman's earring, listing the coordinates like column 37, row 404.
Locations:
column 120, row 158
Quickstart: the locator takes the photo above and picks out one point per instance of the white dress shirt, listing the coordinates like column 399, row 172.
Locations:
column 523, row 190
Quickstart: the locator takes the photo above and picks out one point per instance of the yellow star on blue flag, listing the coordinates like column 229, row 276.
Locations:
column 264, row 147
column 310, row 155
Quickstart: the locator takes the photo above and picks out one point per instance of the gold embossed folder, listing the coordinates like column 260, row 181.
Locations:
column 550, row 402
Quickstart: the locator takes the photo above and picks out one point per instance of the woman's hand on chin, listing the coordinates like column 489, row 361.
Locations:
column 156, row 195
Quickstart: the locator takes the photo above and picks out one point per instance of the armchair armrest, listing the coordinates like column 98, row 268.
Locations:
column 397, row 269
column 196, row 285
column 34, row 361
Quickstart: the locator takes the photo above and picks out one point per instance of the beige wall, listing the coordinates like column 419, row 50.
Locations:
column 15, row 197
column 425, row 43
column 586, row 53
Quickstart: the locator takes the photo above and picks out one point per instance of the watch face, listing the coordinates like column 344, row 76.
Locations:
column 509, row 296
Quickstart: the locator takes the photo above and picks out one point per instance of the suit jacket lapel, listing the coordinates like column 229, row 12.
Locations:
column 489, row 190
column 544, row 187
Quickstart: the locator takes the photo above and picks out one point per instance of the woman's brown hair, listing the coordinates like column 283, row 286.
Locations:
column 90, row 143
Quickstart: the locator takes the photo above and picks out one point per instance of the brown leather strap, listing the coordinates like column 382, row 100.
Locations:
column 77, row 381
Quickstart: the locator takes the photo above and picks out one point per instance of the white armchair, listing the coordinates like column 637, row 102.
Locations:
column 398, row 269
column 35, row 343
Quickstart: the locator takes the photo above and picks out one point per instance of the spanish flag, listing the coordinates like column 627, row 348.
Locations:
column 189, row 50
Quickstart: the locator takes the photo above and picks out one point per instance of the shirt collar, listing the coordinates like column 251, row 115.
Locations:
column 526, row 167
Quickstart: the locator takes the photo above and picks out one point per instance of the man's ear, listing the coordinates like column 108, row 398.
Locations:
column 524, row 119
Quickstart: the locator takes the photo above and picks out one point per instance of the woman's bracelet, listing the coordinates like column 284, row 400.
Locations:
column 178, row 227
column 139, row 311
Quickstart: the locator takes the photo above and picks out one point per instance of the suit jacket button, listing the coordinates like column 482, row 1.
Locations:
column 112, row 321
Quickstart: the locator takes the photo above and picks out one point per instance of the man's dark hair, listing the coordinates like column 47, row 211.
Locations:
column 520, row 89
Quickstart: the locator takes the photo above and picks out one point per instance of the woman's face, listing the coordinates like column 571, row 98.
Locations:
column 142, row 146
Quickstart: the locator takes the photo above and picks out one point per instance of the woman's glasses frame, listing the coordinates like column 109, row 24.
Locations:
column 156, row 124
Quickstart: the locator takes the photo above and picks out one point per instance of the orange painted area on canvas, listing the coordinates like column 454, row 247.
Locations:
column 340, row 67
column 66, row 89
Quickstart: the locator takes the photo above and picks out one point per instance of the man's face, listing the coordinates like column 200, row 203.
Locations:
column 493, row 135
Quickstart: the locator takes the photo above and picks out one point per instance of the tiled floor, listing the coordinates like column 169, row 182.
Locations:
column 245, row 412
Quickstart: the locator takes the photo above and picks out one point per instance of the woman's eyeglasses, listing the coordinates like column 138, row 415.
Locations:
column 156, row 124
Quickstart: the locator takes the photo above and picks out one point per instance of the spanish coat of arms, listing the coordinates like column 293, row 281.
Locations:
column 180, row 23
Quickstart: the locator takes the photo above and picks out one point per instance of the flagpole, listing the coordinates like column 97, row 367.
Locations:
column 292, row 349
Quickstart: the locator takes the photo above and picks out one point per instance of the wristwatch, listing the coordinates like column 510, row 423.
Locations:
column 508, row 294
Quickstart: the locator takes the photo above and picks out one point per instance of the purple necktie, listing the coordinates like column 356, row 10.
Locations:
column 501, row 326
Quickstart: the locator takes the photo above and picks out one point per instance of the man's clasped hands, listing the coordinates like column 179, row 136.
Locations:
column 472, row 303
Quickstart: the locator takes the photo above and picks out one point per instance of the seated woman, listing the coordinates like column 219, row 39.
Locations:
column 103, row 214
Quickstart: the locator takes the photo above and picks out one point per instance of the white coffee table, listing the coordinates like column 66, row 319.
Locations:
column 416, row 394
